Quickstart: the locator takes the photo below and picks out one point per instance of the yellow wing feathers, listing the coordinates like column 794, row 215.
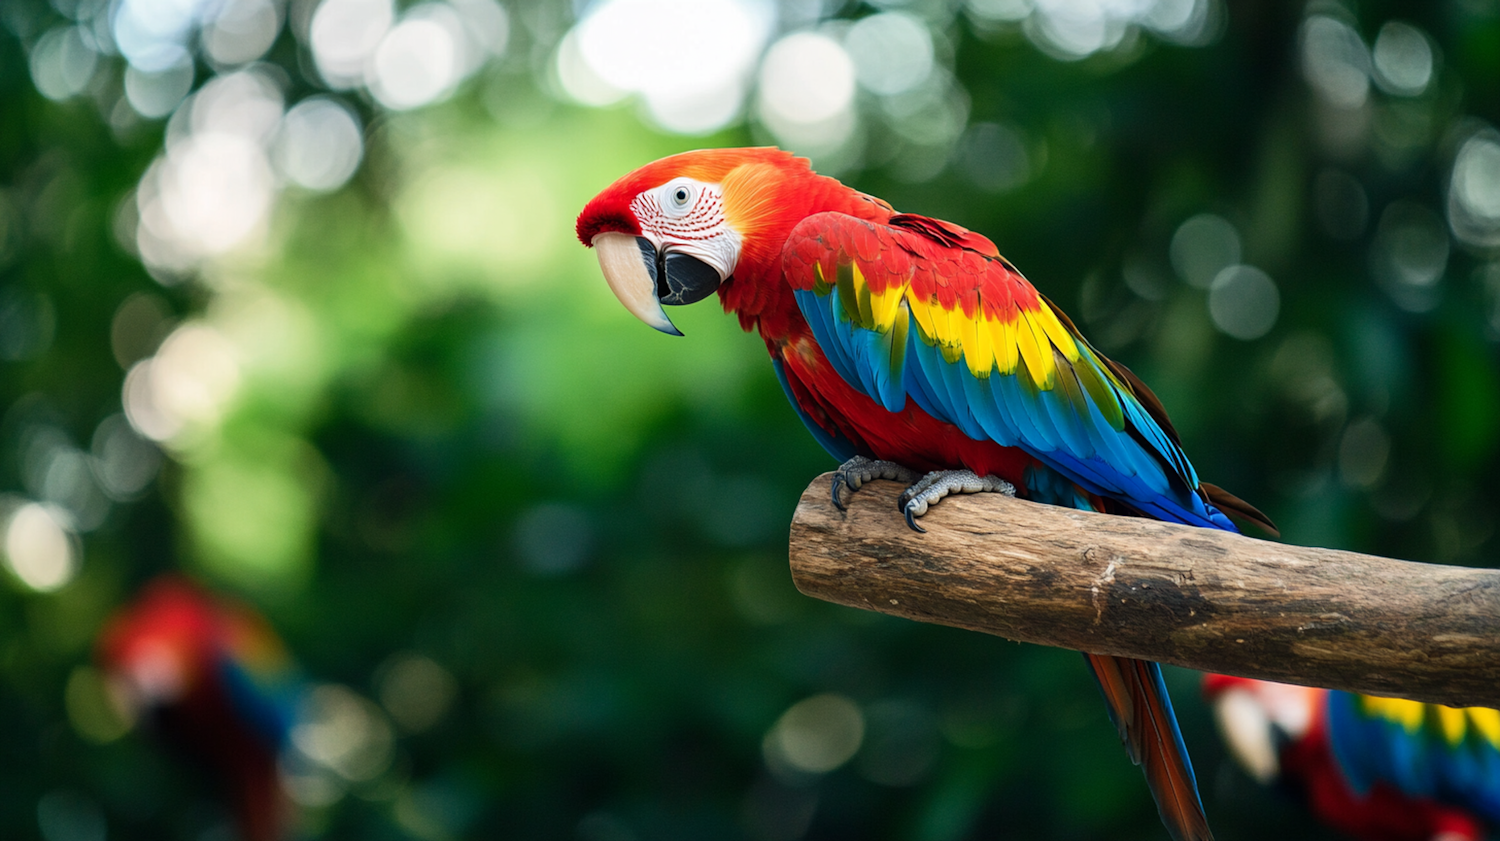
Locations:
column 1454, row 724
column 971, row 307
column 984, row 315
column 991, row 342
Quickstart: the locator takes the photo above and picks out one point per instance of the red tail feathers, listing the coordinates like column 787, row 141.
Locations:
column 1141, row 711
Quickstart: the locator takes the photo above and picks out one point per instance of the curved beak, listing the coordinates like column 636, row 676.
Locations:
column 645, row 279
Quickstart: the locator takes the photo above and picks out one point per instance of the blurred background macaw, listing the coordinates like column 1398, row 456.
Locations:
column 1375, row 769
column 289, row 303
column 210, row 679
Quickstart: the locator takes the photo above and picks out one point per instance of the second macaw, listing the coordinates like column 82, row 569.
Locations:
column 1378, row 769
column 909, row 346
column 211, row 679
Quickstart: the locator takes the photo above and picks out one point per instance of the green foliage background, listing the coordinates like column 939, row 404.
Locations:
column 452, row 442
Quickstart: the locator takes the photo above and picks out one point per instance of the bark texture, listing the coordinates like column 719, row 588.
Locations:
column 1199, row 598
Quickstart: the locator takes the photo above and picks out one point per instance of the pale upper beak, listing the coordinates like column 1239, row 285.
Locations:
column 1250, row 734
column 645, row 279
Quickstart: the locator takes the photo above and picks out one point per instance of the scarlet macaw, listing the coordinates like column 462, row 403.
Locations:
column 1378, row 769
column 213, row 681
column 909, row 344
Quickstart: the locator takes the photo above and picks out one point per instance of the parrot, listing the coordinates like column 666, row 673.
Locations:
column 1373, row 768
column 210, row 679
column 913, row 351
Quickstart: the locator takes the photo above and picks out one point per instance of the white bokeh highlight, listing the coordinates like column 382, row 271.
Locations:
column 891, row 51
column 1243, row 302
column 1403, row 59
column 1409, row 255
column 212, row 190
column 153, row 34
column 39, row 550
column 123, row 462
column 1071, row 30
column 1335, row 61
column 419, row 60
column 1203, row 246
column 344, row 34
column 241, row 31
column 1474, row 190
column 807, row 86
column 409, row 62
column 814, row 736
column 155, row 94
column 344, row 733
column 319, row 145
column 186, row 388
column 62, row 62
column 689, row 60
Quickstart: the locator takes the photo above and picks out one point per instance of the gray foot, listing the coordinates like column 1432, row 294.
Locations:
column 915, row 500
column 859, row 470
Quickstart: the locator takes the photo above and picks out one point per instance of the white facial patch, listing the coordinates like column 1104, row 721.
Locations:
column 1255, row 716
column 687, row 216
column 1248, row 731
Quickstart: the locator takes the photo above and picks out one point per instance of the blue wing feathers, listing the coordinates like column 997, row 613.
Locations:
column 1420, row 762
column 928, row 371
column 1021, row 395
column 856, row 352
column 888, row 389
column 989, row 412
column 820, row 315
column 1065, row 423
column 1006, row 393
column 1353, row 741
column 266, row 704
column 956, row 375
column 1084, row 437
column 1062, row 426
column 917, row 385
column 1488, row 784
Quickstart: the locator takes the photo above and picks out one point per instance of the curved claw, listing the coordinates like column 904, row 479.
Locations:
column 854, row 473
column 932, row 488
column 911, row 520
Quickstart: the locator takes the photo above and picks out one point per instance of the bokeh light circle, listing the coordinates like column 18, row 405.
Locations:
column 1243, row 302
column 416, row 63
column 319, row 144
column 891, row 51
column 39, row 551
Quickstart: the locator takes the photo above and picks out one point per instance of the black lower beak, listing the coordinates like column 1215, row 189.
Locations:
column 680, row 278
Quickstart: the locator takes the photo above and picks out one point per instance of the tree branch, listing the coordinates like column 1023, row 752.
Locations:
column 1193, row 597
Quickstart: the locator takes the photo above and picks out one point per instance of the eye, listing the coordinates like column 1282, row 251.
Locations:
column 681, row 196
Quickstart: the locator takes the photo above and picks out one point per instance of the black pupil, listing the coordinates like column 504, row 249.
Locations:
column 681, row 195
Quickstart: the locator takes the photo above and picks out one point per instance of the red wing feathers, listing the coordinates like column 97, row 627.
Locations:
column 946, row 233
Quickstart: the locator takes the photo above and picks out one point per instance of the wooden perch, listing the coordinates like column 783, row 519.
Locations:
column 1199, row 598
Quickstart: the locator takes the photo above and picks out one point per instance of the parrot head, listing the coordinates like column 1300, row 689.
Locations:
column 174, row 639
column 1258, row 718
column 160, row 649
column 674, row 231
